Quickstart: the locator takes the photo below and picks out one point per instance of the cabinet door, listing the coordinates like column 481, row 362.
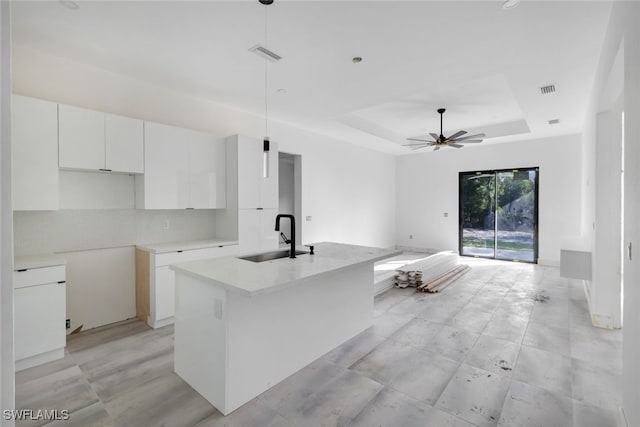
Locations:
column 35, row 154
column 39, row 319
column 166, row 163
column 268, row 235
column 81, row 138
column 206, row 172
column 249, row 231
column 124, row 147
column 165, row 293
column 268, row 198
column 249, row 172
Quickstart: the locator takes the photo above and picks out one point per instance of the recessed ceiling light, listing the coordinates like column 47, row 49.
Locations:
column 69, row 4
column 510, row 4
column 356, row 59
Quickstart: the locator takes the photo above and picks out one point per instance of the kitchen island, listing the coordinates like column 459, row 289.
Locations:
column 242, row 326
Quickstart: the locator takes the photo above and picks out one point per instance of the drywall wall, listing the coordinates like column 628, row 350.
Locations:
column 7, row 370
column 623, row 32
column 347, row 191
column 605, row 304
column 429, row 180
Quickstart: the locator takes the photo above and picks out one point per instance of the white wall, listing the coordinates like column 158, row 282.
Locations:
column 7, row 382
column 347, row 190
column 623, row 30
column 430, row 180
column 286, row 193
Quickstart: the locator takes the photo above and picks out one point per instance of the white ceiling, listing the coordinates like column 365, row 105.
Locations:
column 483, row 63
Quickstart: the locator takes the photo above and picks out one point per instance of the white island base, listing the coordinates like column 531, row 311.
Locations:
column 230, row 346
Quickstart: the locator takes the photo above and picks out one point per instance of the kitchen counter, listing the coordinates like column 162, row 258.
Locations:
column 254, row 278
column 161, row 248
column 241, row 327
column 38, row 261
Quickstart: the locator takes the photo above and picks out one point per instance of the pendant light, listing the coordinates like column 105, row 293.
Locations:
column 265, row 141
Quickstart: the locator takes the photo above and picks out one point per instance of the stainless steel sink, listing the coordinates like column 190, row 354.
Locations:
column 270, row 256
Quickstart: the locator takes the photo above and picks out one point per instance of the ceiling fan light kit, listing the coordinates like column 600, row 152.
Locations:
column 455, row 140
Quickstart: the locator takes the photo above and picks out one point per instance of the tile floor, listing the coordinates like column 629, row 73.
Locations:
column 484, row 352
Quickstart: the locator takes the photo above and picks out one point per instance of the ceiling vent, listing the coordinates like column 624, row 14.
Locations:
column 265, row 53
column 554, row 121
column 545, row 90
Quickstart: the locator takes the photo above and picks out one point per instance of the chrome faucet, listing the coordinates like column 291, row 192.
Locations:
column 292, row 254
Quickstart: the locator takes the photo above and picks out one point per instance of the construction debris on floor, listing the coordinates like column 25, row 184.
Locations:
column 431, row 274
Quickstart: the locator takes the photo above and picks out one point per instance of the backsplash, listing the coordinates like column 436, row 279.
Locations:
column 37, row 232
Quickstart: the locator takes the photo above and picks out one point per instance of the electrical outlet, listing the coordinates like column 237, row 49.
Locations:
column 411, row 236
column 68, row 323
column 446, row 214
column 165, row 224
column 308, row 217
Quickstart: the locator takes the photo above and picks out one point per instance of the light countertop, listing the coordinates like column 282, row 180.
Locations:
column 38, row 261
column 254, row 278
column 160, row 248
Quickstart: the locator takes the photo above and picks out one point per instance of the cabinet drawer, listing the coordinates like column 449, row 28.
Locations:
column 38, row 276
column 194, row 254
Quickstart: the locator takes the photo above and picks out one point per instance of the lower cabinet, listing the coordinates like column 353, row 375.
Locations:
column 155, row 281
column 39, row 315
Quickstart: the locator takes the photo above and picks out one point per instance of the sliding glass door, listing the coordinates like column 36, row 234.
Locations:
column 499, row 214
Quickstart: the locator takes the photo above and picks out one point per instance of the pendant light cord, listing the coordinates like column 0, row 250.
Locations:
column 266, row 108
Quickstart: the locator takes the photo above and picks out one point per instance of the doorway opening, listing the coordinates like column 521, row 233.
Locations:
column 499, row 214
column 290, row 194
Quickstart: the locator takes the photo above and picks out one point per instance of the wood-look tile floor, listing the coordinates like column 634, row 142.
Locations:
column 484, row 352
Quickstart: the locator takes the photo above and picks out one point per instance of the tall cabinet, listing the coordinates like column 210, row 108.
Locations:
column 252, row 199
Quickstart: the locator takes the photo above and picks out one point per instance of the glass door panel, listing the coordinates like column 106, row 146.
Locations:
column 516, row 215
column 477, row 193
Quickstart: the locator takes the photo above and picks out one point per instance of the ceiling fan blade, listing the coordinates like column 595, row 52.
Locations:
column 434, row 136
column 456, row 145
column 457, row 134
column 468, row 140
column 420, row 140
column 479, row 135
column 437, row 147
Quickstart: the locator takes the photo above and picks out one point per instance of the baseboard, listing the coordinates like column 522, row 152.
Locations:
column 429, row 251
column 162, row 322
column 39, row 359
column 548, row 262
column 622, row 419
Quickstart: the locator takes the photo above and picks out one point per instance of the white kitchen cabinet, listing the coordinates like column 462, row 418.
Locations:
column 256, row 230
column 93, row 140
column 184, row 169
column 35, row 154
column 80, row 138
column 155, row 282
column 207, row 171
column 39, row 315
column 124, row 144
column 165, row 183
column 254, row 190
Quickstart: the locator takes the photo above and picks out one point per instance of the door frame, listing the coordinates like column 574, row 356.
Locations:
column 535, row 210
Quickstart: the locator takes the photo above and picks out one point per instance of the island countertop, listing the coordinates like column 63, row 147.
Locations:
column 254, row 278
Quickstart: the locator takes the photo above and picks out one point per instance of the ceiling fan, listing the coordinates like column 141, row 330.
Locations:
column 454, row 140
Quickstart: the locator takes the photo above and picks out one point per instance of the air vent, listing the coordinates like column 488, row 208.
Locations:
column 554, row 121
column 265, row 53
column 545, row 90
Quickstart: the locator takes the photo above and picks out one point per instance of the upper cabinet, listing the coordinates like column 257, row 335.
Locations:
column 35, row 154
column 184, row 169
column 124, row 147
column 92, row 140
column 254, row 190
